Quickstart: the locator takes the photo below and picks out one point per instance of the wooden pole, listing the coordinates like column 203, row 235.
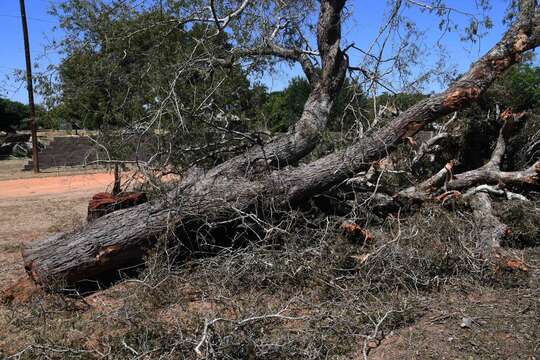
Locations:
column 30, row 87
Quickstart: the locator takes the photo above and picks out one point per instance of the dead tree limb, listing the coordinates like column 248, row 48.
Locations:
column 477, row 186
column 301, row 139
column 429, row 146
column 491, row 229
column 489, row 174
column 120, row 239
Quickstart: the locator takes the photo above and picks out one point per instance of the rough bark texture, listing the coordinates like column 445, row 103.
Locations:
column 120, row 239
column 302, row 138
column 491, row 229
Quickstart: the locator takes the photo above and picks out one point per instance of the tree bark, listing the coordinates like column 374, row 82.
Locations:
column 491, row 229
column 302, row 138
column 231, row 189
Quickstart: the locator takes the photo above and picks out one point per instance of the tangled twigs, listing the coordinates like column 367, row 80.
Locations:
column 490, row 174
column 429, row 146
column 477, row 185
column 426, row 189
column 208, row 324
column 373, row 336
column 432, row 144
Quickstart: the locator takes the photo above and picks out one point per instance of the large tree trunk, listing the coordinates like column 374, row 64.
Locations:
column 121, row 239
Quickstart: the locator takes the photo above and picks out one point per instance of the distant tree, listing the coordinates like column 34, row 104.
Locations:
column 139, row 71
column 518, row 89
column 115, row 74
column 12, row 115
column 285, row 107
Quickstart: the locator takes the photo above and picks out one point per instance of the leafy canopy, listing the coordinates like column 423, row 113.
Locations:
column 12, row 114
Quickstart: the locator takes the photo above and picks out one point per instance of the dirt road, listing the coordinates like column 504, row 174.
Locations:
column 49, row 186
column 34, row 207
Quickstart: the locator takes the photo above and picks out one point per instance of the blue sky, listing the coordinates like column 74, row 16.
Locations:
column 40, row 26
column 361, row 28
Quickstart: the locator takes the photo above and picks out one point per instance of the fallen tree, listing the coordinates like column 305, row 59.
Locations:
column 264, row 178
column 476, row 186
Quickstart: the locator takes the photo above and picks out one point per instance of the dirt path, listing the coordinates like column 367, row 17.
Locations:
column 22, row 188
column 34, row 207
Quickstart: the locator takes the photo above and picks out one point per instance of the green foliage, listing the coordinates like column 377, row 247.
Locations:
column 522, row 85
column 121, row 65
column 401, row 101
column 12, row 114
column 518, row 89
column 135, row 71
column 285, row 107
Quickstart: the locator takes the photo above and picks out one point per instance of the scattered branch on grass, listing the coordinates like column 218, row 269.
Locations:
column 238, row 323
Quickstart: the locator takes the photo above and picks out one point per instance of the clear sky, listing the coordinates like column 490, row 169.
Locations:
column 40, row 26
column 361, row 28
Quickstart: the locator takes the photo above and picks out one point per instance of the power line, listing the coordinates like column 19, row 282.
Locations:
column 28, row 18
column 8, row 67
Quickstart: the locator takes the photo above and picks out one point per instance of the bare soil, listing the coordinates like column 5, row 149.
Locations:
column 34, row 207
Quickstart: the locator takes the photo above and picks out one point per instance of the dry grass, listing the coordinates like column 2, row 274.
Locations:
column 307, row 294
column 27, row 219
column 524, row 221
column 12, row 169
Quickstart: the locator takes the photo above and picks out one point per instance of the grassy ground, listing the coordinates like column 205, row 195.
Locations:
column 12, row 169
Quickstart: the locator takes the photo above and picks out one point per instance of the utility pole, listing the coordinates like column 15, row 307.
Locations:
column 30, row 87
